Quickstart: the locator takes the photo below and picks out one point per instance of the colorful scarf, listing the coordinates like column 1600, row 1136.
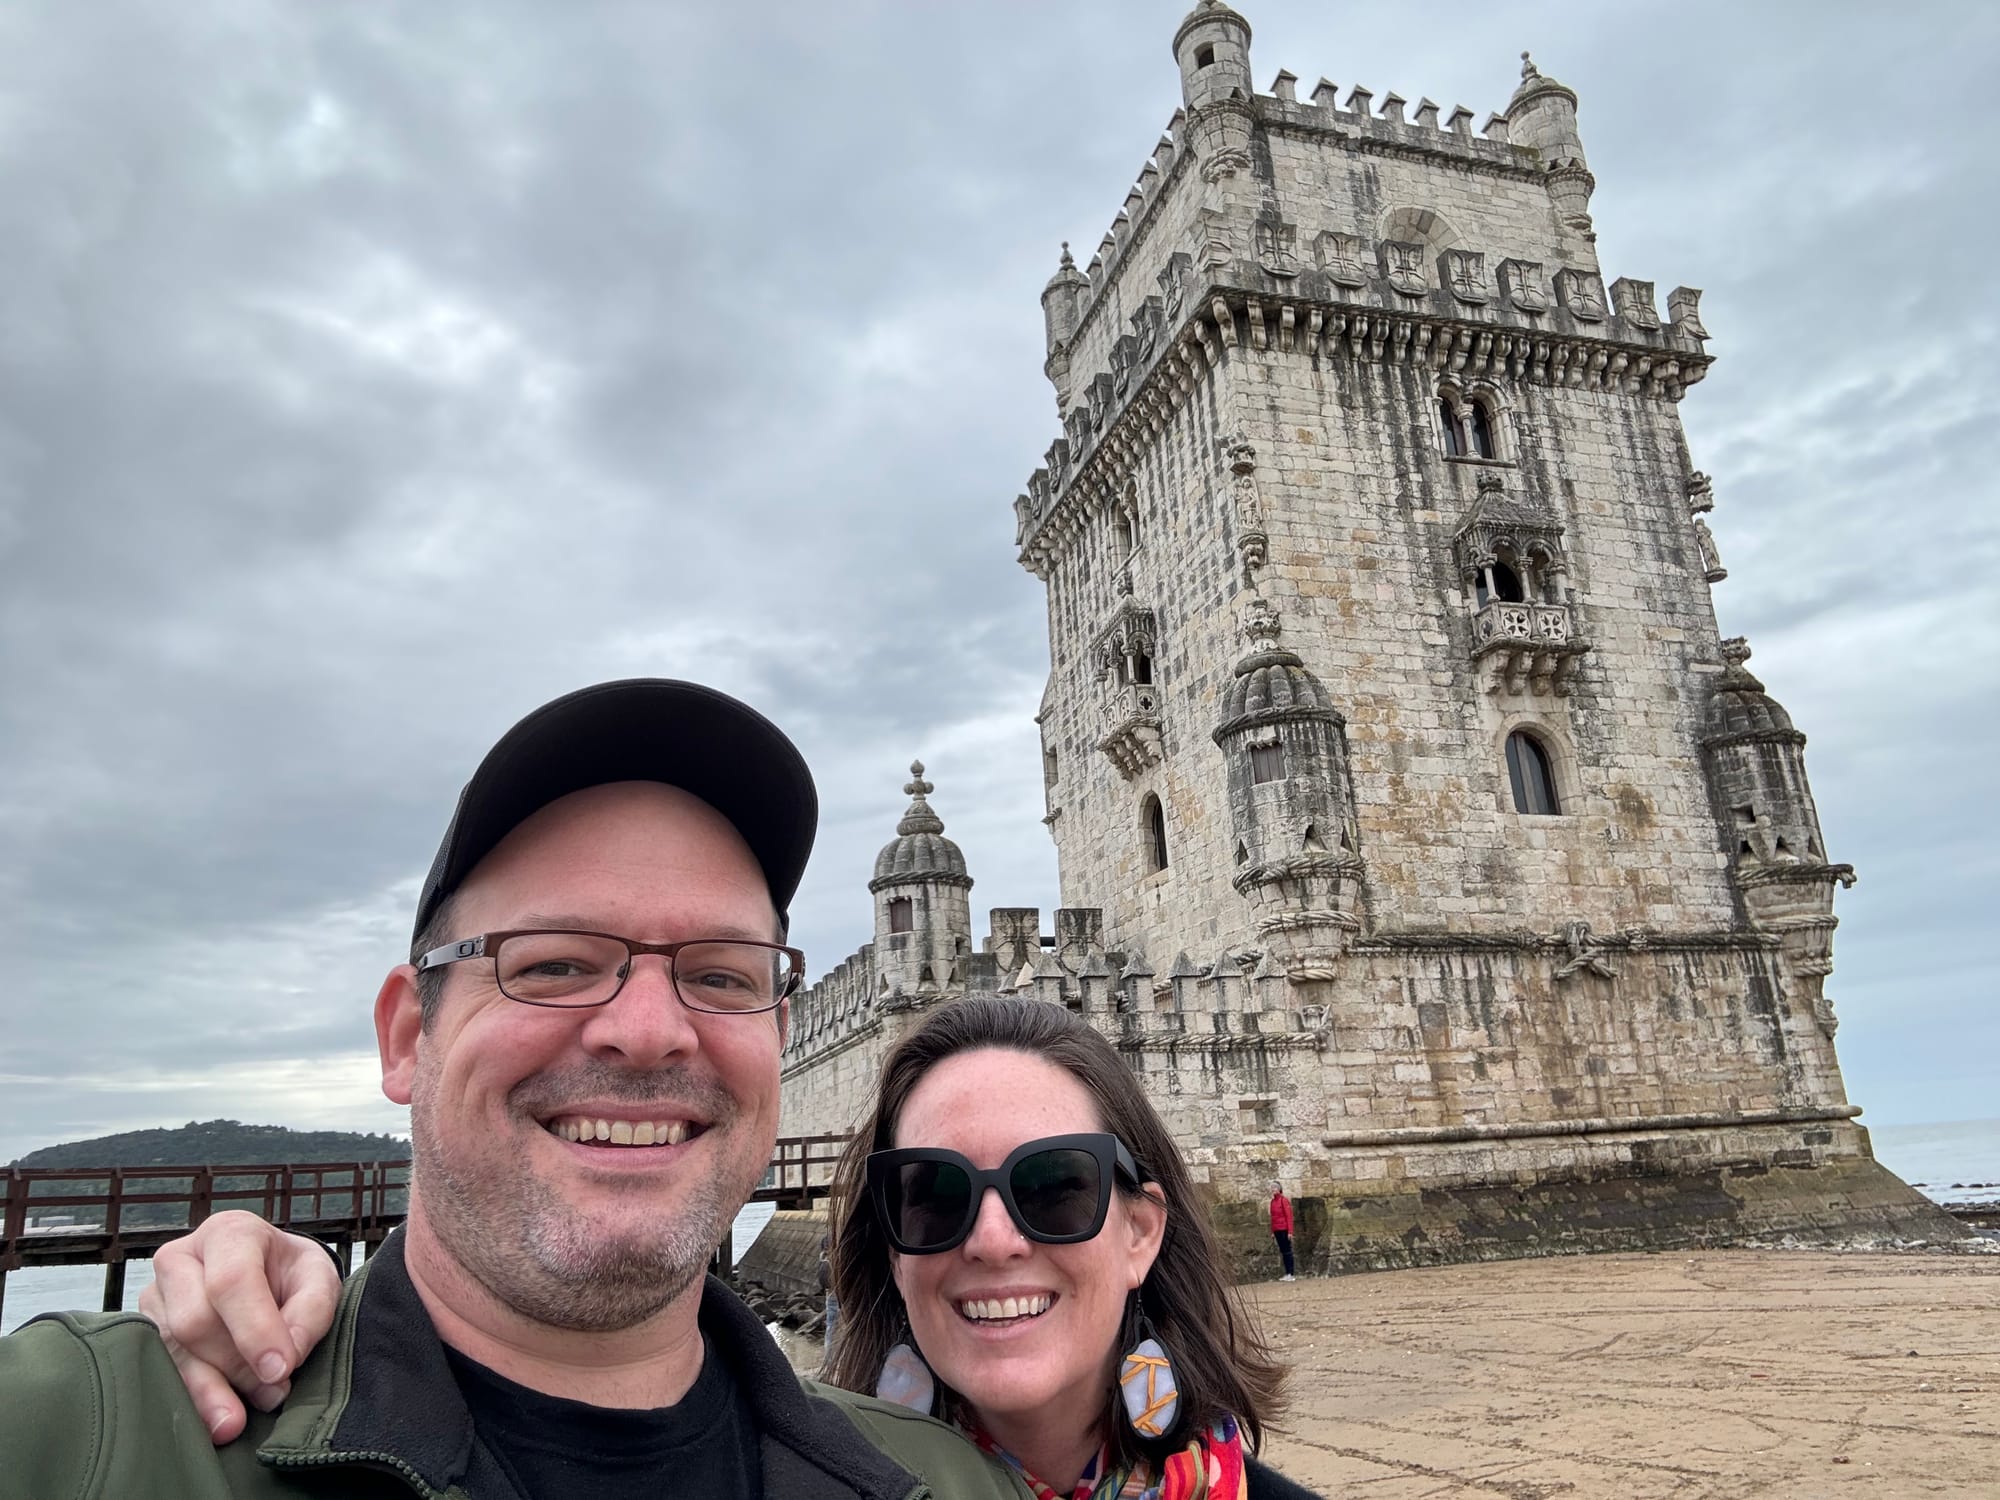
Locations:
column 1209, row 1468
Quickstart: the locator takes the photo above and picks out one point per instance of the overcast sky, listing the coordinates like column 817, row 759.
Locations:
column 371, row 373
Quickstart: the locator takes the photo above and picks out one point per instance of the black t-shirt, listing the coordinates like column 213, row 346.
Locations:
column 553, row 1449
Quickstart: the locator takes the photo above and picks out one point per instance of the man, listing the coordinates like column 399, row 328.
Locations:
column 1281, row 1229
column 587, row 1036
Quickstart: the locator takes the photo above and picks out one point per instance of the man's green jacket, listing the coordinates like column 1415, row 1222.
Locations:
column 91, row 1406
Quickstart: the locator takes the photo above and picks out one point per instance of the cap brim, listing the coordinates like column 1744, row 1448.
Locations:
column 640, row 729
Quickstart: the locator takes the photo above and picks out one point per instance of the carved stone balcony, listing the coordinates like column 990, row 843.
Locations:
column 1132, row 720
column 1527, row 645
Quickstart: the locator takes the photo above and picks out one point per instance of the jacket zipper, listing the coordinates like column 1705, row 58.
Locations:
column 387, row 1460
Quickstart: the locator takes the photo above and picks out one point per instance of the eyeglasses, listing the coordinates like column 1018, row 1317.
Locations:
column 724, row 976
column 1056, row 1190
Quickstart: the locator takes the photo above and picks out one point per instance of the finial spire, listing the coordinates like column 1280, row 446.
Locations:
column 920, row 818
column 1528, row 68
column 1068, row 264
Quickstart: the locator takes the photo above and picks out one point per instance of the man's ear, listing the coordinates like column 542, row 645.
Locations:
column 399, row 1022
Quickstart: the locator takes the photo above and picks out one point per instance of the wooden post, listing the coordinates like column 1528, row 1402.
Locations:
column 114, row 1285
column 201, row 1202
column 343, row 1254
column 17, row 1210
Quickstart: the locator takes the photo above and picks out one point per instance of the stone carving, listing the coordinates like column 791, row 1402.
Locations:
column 1339, row 257
column 1701, row 493
column 1251, row 539
column 1581, row 294
column 1214, row 241
column 1173, row 278
column 1521, row 280
column 1403, row 264
column 1634, row 300
column 1711, row 559
column 1123, row 357
column 1464, row 271
column 1277, row 248
column 1146, row 324
column 1583, row 956
column 1684, row 312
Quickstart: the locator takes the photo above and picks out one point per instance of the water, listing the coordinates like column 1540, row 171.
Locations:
column 1932, row 1158
column 68, row 1288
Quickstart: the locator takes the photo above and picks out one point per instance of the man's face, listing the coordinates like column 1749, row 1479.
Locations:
column 595, row 1236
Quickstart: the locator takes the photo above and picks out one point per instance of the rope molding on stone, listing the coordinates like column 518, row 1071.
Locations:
column 1440, row 1135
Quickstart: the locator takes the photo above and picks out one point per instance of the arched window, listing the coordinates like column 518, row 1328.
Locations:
column 901, row 917
column 1204, row 57
column 1454, row 438
column 1121, row 535
column 1479, row 430
column 1153, row 823
column 1142, row 668
column 1499, row 581
column 1533, row 778
column 1267, row 763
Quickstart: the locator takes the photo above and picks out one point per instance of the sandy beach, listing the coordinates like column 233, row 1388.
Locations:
column 1698, row 1375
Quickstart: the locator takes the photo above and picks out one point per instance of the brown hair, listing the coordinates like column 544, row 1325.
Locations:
column 1221, row 1363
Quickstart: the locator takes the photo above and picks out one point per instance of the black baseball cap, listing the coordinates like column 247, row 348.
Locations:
column 640, row 729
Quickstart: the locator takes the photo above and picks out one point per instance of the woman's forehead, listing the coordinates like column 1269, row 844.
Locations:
column 988, row 1101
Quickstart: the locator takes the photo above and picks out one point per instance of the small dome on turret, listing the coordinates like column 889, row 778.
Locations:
column 1210, row 11
column 920, row 851
column 1534, row 82
column 1066, row 273
column 1739, row 704
column 1271, row 683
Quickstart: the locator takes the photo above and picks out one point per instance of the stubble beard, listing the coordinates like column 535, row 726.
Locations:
column 512, row 1231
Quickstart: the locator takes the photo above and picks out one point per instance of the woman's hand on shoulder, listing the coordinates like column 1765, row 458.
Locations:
column 239, row 1304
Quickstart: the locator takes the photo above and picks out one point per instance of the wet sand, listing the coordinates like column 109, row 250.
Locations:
column 1702, row 1376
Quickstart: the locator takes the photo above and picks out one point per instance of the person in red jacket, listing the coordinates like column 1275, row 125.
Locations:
column 1281, row 1230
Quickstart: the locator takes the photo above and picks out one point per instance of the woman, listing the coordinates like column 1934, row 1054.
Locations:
column 1021, row 1252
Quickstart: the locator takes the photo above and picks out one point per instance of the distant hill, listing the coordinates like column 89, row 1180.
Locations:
column 218, row 1143
column 214, row 1143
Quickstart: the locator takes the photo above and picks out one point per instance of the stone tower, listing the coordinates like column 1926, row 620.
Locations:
column 923, row 919
column 1385, row 681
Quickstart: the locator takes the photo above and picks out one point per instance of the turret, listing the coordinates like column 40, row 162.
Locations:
column 1291, row 804
column 923, row 914
column 1212, row 47
column 1778, row 861
column 1542, row 116
column 1062, row 310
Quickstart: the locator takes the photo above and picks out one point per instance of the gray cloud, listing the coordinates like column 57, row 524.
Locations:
column 368, row 376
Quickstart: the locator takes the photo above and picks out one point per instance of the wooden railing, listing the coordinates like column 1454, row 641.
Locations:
column 339, row 1203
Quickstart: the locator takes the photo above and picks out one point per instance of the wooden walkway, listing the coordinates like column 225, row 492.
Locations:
column 85, row 1216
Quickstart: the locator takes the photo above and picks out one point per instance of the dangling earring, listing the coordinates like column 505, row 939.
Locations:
column 906, row 1379
column 1146, row 1377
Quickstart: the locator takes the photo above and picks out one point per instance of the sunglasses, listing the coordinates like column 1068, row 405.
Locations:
column 1056, row 1190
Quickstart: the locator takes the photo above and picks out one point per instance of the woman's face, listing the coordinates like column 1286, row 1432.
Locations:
column 1057, row 1362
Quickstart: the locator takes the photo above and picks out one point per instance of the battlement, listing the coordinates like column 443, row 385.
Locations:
column 1340, row 296
column 1361, row 124
column 1388, row 125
